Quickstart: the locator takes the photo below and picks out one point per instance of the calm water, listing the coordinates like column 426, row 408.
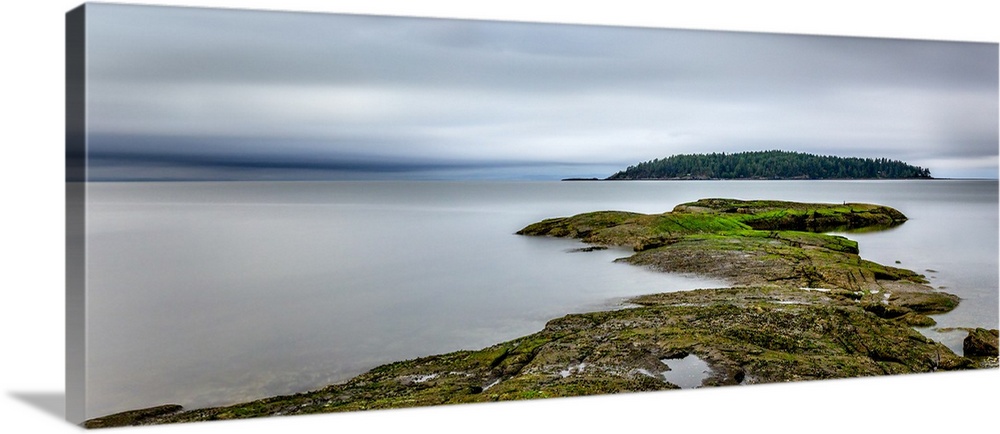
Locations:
column 211, row 293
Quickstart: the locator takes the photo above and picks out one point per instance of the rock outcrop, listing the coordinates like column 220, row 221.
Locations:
column 981, row 343
column 803, row 306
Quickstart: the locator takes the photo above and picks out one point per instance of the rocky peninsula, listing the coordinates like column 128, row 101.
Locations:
column 803, row 305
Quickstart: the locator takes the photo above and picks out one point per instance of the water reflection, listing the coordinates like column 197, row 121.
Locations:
column 687, row 372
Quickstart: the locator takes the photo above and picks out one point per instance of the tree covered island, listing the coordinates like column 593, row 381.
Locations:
column 770, row 165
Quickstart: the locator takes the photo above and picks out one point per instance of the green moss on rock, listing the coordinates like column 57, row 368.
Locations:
column 747, row 335
column 981, row 343
column 133, row 417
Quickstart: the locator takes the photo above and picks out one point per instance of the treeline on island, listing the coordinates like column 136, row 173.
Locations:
column 770, row 165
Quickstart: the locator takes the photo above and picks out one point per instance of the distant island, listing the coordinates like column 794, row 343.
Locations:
column 770, row 165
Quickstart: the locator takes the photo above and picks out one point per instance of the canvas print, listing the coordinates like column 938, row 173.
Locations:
column 276, row 213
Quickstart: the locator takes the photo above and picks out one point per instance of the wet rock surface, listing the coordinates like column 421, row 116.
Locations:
column 134, row 417
column 981, row 343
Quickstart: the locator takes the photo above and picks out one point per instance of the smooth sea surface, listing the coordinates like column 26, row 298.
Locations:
column 213, row 293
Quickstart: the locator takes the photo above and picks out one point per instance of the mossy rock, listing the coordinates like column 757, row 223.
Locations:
column 133, row 417
column 925, row 302
column 747, row 335
column 804, row 306
column 981, row 343
column 783, row 215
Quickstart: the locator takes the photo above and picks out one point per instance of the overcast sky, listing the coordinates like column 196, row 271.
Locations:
column 185, row 93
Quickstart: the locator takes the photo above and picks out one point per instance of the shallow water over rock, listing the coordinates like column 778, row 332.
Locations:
column 687, row 372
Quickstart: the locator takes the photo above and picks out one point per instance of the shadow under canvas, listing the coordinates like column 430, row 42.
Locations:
column 52, row 403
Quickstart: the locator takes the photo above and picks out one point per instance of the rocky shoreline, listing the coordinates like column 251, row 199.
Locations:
column 802, row 306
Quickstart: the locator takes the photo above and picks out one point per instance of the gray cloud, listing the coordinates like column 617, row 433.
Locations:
column 442, row 94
